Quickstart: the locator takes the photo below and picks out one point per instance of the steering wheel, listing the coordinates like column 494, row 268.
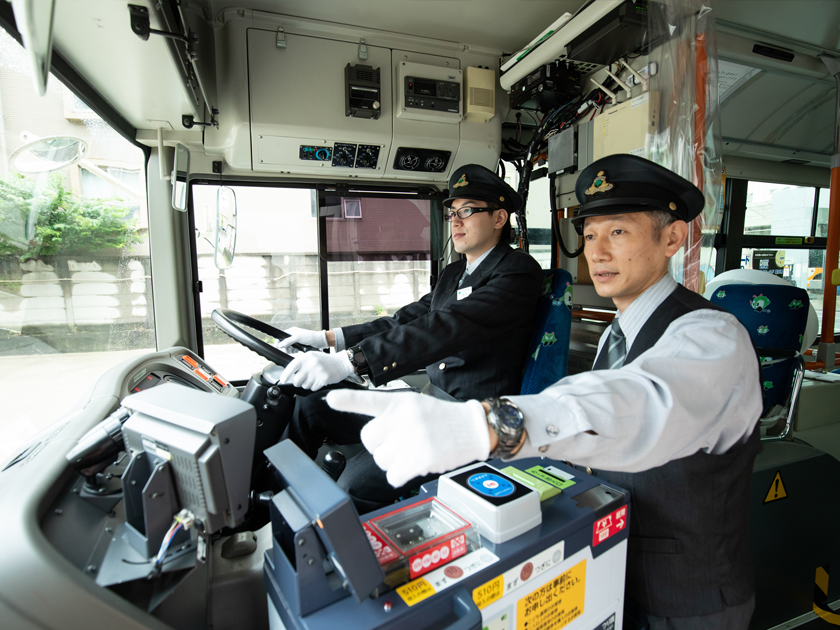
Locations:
column 231, row 323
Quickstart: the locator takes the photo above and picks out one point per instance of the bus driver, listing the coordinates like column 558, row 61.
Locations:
column 669, row 411
column 471, row 333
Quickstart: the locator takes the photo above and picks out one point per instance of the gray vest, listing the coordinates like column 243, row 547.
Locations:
column 689, row 548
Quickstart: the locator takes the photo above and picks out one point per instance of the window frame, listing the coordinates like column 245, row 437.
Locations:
column 731, row 240
column 321, row 191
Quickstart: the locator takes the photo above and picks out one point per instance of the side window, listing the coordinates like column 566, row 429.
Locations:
column 778, row 209
column 75, row 281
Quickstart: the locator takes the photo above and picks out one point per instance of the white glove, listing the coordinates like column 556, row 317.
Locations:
column 314, row 338
column 313, row 370
column 413, row 435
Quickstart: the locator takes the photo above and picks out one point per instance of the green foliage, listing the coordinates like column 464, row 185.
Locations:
column 66, row 223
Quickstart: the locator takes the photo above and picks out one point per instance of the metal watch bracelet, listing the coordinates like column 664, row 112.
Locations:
column 506, row 420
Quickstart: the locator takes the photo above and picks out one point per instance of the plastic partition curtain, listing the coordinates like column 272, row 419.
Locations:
column 687, row 138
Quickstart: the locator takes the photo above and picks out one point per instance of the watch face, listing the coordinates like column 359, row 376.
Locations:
column 509, row 417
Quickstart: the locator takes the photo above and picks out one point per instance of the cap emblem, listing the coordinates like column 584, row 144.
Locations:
column 599, row 185
column 462, row 182
column 501, row 198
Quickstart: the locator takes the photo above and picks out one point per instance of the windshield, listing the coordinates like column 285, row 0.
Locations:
column 75, row 281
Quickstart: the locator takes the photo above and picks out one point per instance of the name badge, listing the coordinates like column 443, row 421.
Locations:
column 462, row 293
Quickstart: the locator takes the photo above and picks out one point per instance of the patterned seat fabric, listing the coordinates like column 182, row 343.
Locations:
column 548, row 356
column 775, row 317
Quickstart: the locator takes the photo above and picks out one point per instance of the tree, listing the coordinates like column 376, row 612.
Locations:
column 66, row 222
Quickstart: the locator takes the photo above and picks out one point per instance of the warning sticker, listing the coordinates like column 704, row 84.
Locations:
column 415, row 591
column 521, row 574
column 555, row 604
column 432, row 558
column 777, row 489
column 489, row 592
column 445, row 576
column 609, row 525
column 552, row 475
column 383, row 552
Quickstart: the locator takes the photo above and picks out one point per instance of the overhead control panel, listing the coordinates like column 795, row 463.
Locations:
column 362, row 92
column 342, row 154
column 314, row 129
column 442, row 96
column 368, row 110
column 431, row 93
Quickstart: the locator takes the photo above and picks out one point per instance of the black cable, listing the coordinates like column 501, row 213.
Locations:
column 555, row 230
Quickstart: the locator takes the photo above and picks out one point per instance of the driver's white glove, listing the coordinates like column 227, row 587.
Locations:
column 413, row 435
column 314, row 370
column 314, row 338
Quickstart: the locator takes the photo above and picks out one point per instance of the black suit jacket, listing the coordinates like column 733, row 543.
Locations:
column 471, row 348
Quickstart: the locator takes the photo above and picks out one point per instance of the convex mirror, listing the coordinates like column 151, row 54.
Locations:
column 226, row 217
column 44, row 155
column 180, row 175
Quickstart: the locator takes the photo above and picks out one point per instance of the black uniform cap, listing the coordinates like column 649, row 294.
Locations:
column 473, row 181
column 622, row 183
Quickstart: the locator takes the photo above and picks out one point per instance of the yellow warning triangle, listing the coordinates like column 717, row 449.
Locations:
column 777, row 489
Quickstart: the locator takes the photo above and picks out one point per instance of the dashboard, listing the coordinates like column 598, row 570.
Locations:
column 57, row 537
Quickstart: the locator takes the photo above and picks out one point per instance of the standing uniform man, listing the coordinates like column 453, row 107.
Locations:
column 668, row 412
column 471, row 332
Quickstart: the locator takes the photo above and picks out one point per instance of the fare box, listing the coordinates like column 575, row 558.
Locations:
column 415, row 540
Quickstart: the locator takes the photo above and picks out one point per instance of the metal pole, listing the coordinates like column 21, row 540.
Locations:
column 826, row 349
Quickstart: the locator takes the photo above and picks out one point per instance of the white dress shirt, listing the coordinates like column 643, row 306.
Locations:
column 696, row 389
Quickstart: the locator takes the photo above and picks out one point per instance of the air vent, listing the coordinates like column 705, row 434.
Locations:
column 774, row 53
column 435, row 164
column 794, row 161
column 409, row 161
column 421, row 160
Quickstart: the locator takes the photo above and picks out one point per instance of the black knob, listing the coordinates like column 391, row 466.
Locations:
column 273, row 393
column 334, row 463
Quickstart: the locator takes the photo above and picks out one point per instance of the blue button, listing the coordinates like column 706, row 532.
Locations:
column 490, row 485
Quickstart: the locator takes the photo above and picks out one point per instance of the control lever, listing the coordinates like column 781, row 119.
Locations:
column 334, row 463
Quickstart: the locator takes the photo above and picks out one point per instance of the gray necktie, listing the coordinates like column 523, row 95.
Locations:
column 614, row 351
column 464, row 277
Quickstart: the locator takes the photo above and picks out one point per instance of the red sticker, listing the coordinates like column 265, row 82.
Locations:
column 383, row 552
column 526, row 571
column 609, row 525
column 437, row 556
column 453, row 572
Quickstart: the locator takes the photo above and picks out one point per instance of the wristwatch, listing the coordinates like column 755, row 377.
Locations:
column 507, row 421
column 358, row 360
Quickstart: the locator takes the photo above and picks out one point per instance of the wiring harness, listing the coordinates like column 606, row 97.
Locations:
column 525, row 155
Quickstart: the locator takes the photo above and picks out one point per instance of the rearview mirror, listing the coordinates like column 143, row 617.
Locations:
column 180, row 175
column 225, row 228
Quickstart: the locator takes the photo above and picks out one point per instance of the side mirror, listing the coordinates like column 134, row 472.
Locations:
column 180, row 175
column 225, row 228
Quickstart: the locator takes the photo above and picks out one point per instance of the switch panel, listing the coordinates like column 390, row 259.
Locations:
column 367, row 156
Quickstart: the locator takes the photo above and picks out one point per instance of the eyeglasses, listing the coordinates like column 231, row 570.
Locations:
column 464, row 212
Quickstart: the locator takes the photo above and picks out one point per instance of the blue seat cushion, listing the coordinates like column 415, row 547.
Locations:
column 775, row 317
column 548, row 353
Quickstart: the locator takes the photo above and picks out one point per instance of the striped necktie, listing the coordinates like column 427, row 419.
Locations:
column 614, row 352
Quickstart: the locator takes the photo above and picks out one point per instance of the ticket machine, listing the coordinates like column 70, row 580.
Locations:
column 534, row 545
